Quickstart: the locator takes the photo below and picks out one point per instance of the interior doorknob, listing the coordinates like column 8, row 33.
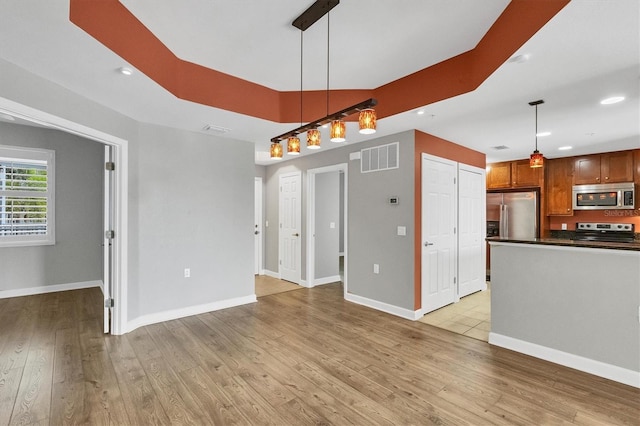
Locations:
column 296, row 234
column 427, row 243
column 257, row 232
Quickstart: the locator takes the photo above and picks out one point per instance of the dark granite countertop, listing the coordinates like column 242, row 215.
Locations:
column 635, row 246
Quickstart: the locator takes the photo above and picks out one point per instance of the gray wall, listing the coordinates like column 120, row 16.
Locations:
column 77, row 254
column 579, row 301
column 372, row 222
column 327, row 244
column 217, row 242
column 196, row 211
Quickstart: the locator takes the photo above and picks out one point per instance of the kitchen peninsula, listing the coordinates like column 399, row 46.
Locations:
column 573, row 303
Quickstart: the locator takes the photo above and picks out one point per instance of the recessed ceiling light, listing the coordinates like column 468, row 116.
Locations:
column 612, row 100
column 543, row 134
column 215, row 129
column 420, row 112
column 565, row 148
column 125, row 70
column 518, row 59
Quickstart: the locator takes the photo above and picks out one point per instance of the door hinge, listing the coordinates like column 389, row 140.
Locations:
column 454, row 230
column 108, row 303
column 109, row 235
column 454, row 181
column 455, row 280
column 110, row 165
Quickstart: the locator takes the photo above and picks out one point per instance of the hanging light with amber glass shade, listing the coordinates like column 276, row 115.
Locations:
column 536, row 159
column 276, row 151
column 367, row 121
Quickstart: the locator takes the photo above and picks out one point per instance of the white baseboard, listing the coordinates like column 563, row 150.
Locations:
column 326, row 280
column 591, row 366
column 188, row 311
column 19, row 292
column 272, row 274
column 384, row 307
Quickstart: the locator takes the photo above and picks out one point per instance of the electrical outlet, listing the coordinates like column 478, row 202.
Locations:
column 564, row 226
column 187, row 272
column 376, row 268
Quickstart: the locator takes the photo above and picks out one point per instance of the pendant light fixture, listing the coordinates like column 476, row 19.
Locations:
column 276, row 151
column 536, row 159
column 367, row 117
column 337, row 129
column 367, row 121
column 293, row 142
column 293, row 145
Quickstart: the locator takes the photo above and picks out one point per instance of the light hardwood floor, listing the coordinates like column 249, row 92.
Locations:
column 294, row 358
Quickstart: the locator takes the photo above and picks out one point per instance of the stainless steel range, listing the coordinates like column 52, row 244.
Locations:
column 608, row 232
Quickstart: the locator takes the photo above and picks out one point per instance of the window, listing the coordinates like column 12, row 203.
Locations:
column 27, row 185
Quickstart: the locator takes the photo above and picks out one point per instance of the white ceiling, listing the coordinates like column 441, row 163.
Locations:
column 590, row 50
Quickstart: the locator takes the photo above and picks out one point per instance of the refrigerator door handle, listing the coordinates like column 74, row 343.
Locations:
column 504, row 221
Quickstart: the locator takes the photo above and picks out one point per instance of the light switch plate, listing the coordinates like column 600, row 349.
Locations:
column 402, row 230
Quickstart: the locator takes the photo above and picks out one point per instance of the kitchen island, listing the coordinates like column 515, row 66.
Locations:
column 569, row 302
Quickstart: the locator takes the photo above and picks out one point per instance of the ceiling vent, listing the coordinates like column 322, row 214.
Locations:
column 500, row 147
column 215, row 129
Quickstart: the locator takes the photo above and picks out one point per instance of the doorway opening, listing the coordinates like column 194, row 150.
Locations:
column 327, row 225
column 117, row 303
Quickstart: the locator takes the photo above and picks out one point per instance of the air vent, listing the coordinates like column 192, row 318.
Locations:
column 500, row 147
column 383, row 157
column 215, row 129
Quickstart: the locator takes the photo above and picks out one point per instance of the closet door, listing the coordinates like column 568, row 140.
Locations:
column 471, row 230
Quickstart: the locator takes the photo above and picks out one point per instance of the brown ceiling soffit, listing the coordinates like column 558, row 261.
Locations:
column 109, row 22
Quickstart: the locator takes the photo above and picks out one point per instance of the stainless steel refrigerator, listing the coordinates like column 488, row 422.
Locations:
column 516, row 214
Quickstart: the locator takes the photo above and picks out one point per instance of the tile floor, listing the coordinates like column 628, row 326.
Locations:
column 471, row 316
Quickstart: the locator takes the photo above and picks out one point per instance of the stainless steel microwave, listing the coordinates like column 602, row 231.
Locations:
column 604, row 196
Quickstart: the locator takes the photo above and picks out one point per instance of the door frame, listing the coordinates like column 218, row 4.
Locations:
column 311, row 219
column 299, row 220
column 121, row 192
column 257, row 197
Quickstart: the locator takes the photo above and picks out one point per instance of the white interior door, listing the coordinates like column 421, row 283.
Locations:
column 290, row 227
column 439, row 213
column 107, row 252
column 257, row 232
column 471, row 230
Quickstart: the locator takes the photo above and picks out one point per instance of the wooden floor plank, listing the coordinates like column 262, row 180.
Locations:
column 300, row 357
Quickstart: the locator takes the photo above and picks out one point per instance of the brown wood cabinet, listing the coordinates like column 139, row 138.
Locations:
column 558, row 181
column 513, row 174
column 636, row 155
column 611, row 167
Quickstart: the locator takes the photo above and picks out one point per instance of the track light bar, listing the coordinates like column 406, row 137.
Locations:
column 369, row 103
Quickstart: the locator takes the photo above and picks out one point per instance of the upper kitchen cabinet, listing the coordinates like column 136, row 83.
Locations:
column 559, row 185
column 513, row 174
column 611, row 167
column 636, row 161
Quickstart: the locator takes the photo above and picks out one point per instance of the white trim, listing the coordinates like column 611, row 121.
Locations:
column 591, row 366
column 20, row 292
column 326, row 280
column 188, row 311
column 384, row 307
column 121, row 195
column 271, row 274
column 258, row 197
